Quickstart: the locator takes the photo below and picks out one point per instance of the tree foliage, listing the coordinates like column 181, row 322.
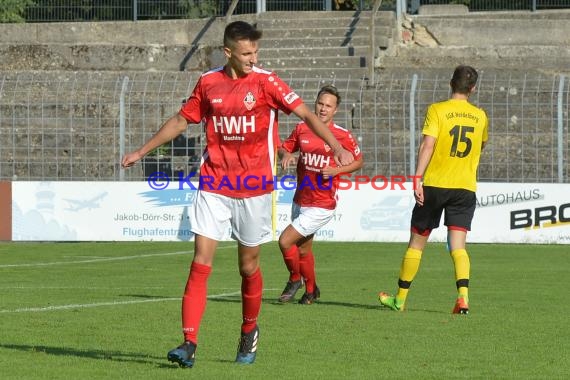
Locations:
column 199, row 8
column 13, row 10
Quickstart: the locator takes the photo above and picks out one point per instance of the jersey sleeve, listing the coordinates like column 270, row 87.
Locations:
column 349, row 143
column 485, row 136
column 431, row 122
column 194, row 109
column 280, row 95
column 291, row 144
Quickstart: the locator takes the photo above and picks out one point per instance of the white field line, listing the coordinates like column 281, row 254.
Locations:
column 112, row 303
column 114, row 288
column 119, row 258
column 81, row 287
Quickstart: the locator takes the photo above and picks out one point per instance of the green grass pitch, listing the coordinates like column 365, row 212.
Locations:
column 112, row 311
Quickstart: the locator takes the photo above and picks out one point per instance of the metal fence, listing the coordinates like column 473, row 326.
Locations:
column 76, row 127
column 495, row 5
column 115, row 10
column 106, row 10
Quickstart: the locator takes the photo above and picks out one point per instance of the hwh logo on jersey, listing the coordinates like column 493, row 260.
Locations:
column 315, row 160
column 234, row 124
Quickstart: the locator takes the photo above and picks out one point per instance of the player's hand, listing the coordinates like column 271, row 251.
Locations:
column 287, row 159
column 129, row 159
column 419, row 195
column 343, row 157
column 329, row 172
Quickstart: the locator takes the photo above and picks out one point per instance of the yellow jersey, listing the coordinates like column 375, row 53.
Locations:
column 460, row 128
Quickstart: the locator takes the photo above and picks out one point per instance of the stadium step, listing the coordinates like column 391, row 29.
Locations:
column 360, row 30
column 301, row 50
column 329, row 42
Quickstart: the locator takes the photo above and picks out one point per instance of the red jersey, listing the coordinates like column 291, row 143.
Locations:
column 241, row 124
column 312, row 190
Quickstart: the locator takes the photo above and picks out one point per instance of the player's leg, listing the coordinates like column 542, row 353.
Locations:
column 411, row 264
column 194, row 301
column 251, row 293
column 408, row 270
column 196, row 290
column 307, row 268
column 306, row 222
column 424, row 219
column 458, row 217
column 251, row 227
column 288, row 246
column 462, row 268
column 251, row 285
column 210, row 221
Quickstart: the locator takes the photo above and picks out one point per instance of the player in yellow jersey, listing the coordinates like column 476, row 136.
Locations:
column 454, row 134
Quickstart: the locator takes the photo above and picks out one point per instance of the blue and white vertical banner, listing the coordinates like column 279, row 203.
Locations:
column 132, row 211
column 100, row 211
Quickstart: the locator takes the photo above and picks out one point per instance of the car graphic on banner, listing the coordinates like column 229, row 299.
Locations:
column 391, row 213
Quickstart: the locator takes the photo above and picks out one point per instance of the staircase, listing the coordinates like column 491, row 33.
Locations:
column 322, row 44
column 310, row 49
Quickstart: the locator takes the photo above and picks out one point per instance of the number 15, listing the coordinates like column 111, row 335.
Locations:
column 459, row 133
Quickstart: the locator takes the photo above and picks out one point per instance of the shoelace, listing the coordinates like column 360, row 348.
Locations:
column 246, row 342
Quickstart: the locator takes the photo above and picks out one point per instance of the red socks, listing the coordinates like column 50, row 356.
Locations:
column 251, row 292
column 307, row 269
column 194, row 300
column 301, row 267
column 291, row 258
column 195, row 296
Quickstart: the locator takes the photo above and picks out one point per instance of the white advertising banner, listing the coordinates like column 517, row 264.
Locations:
column 506, row 213
column 100, row 211
column 131, row 211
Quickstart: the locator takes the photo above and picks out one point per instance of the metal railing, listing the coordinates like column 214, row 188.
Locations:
column 372, row 47
column 117, row 10
column 76, row 127
column 495, row 5
column 121, row 10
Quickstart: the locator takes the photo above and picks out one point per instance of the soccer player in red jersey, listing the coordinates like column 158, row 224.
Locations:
column 239, row 103
column 315, row 198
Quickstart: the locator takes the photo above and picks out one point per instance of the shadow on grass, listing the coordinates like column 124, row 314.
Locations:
column 274, row 301
column 117, row 356
column 146, row 296
column 320, row 303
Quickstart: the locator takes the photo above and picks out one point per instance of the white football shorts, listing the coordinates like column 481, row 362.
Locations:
column 248, row 220
column 308, row 220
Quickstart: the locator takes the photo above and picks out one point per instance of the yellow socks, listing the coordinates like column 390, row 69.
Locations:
column 462, row 268
column 408, row 270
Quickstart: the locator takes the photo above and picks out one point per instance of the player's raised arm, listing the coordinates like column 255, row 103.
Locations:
column 169, row 130
column 341, row 155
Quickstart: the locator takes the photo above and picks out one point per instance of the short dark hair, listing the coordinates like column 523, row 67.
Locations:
column 330, row 89
column 240, row 30
column 464, row 79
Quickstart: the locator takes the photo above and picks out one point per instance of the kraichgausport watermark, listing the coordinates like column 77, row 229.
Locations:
column 346, row 181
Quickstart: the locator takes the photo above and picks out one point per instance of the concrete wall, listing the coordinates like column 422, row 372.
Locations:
column 165, row 32
column 340, row 41
column 450, row 36
column 483, row 31
column 499, row 40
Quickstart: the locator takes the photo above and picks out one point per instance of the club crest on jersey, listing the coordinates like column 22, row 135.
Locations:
column 327, row 148
column 249, row 101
